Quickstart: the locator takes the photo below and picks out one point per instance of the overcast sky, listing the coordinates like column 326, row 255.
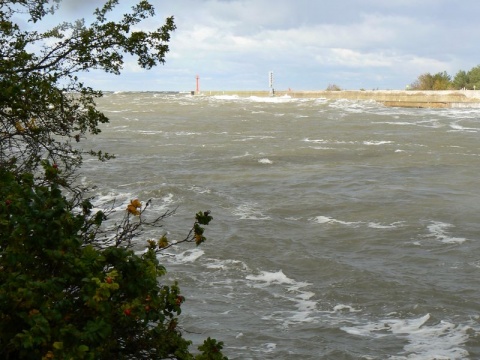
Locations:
column 308, row 44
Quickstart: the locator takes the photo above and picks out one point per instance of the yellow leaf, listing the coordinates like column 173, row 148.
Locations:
column 132, row 210
column 136, row 203
column 31, row 125
column 19, row 126
column 163, row 242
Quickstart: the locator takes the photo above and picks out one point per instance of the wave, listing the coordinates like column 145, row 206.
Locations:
column 425, row 339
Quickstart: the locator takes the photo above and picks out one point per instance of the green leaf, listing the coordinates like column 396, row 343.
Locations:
column 83, row 348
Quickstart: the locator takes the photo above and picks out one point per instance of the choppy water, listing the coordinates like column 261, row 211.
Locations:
column 342, row 230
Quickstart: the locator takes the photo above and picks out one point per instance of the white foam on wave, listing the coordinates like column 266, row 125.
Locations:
column 393, row 225
column 270, row 347
column 163, row 204
column 321, row 148
column 256, row 137
column 271, row 99
column 265, row 161
column 149, row 132
column 186, row 133
column 250, row 211
column 438, row 230
column 334, row 142
column 322, row 219
column 373, row 225
column 305, row 307
column 377, row 143
column 199, row 190
column 316, row 141
column 268, row 278
column 118, row 111
column 112, row 201
column 442, row 340
column 226, row 97
column 111, row 196
column 247, row 154
column 344, row 308
column 422, row 123
column 457, row 127
column 188, row 256
column 403, row 123
column 329, row 220
column 256, row 99
column 354, row 106
column 227, row 264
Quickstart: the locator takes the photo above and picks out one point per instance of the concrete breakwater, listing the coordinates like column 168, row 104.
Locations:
column 394, row 98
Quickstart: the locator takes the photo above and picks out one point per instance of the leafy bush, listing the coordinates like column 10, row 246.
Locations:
column 71, row 287
column 61, row 298
column 333, row 87
column 463, row 80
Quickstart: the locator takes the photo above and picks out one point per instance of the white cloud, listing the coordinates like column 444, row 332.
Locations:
column 368, row 43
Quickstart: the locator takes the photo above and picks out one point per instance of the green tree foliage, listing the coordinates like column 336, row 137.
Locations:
column 62, row 298
column 427, row 81
column 474, row 78
column 71, row 286
column 468, row 80
column 442, row 81
column 461, row 81
column 44, row 109
column 333, row 87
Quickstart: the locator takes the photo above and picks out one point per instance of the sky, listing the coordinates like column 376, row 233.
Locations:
column 307, row 44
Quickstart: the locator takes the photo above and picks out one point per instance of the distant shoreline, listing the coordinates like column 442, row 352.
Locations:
column 394, row 98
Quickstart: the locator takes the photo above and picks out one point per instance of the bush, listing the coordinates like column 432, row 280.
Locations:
column 71, row 286
column 60, row 298
column 333, row 87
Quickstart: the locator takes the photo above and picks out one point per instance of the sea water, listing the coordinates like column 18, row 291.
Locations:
column 341, row 230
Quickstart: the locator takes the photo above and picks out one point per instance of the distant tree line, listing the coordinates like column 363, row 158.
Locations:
column 468, row 80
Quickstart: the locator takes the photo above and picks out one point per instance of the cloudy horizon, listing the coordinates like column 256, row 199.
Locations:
column 364, row 44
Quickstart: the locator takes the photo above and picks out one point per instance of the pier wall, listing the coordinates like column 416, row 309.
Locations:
column 394, row 98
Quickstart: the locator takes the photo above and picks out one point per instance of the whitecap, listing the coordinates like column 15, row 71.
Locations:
column 377, row 143
column 393, row 225
column 457, row 127
column 112, row 201
column 271, row 99
column 149, row 132
column 438, row 230
column 270, row 347
column 226, row 97
column 249, row 211
column 304, row 304
column 241, row 156
column 442, row 340
column 256, row 137
column 168, row 198
column 344, row 308
column 329, row 220
column 322, row 219
column 199, row 190
column 186, row 133
column 228, row 264
column 316, row 141
column 189, row 256
column 265, row 161
column 271, row 278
